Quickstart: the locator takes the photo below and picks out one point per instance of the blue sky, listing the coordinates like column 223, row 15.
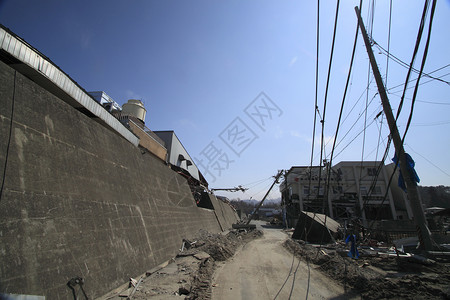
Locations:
column 200, row 65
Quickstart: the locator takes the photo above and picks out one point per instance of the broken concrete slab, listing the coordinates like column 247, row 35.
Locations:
column 171, row 268
column 315, row 228
column 202, row 255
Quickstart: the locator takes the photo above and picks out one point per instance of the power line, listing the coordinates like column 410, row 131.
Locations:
column 379, row 136
column 357, row 101
column 428, row 124
column 424, row 58
column 428, row 160
column 355, row 138
column 423, row 101
column 389, row 41
column 316, row 107
column 432, row 102
column 256, row 183
column 402, row 84
column 416, row 49
column 325, row 98
column 342, row 107
column 354, row 123
column 403, row 64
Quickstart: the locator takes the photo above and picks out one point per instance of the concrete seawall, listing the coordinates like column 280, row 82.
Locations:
column 79, row 200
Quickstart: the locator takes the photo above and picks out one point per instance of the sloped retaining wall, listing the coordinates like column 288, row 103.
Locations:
column 79, row 200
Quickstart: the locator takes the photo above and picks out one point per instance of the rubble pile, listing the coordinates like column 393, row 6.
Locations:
column 219, row 248
column 378, row 273
column 189, row 274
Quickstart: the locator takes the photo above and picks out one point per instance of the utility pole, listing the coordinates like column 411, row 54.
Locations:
column 265, row 196
column 283, row 199
column 234, row 189
column 411, row 185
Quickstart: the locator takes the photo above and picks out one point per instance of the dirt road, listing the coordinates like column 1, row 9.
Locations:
column 264, row 269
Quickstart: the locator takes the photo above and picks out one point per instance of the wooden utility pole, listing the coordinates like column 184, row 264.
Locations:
column 265, row 196
column 411, row 185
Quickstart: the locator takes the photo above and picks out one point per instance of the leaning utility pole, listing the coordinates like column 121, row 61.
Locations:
column 411, row 185
column 265, row 196
column 234, row 189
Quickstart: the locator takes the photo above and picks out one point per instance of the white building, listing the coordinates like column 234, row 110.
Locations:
column 177, row 154
column 356, row 189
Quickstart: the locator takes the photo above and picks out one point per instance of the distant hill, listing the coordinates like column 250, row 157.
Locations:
column 256, row 201
column 247, row 205
column 435, row 196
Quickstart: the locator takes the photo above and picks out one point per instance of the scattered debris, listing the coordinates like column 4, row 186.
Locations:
column 136, row 286
column 381, row 272
column 202, row 255
column 77, row 281
column 189, row 274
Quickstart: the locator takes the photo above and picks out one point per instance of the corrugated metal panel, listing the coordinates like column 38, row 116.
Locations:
column 29, row 56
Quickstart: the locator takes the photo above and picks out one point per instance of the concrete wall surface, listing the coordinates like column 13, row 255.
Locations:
column 79, row 200
column 225, row 215
column 147, row 141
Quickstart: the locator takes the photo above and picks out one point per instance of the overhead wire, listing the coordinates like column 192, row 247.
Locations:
column 424, row 58
column 376, row 176
column 342, row 103
column 357, row 101
column 263, row 189
column 429, row 161
column 416, row 49
column 415, row 89
column 371, row 21
column 365, row 123
column 432, row 102
column 379, row 136
column 404, row 64
column 315, row 109
column 326, row 97
column 256, row 183
column 349, row 143
column 389, row 43
column 423, row 101
column 422, row 83
column 356, row 121
column 429, row 124
column 287, row 277
column 322, row 134
column 383, row 141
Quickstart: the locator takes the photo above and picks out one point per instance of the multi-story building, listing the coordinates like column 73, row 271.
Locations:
column 355, row 190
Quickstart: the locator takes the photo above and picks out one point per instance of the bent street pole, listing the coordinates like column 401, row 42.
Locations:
column 411, row 185
column 265, row 196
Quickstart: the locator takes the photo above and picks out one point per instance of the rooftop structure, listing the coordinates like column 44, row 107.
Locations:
column 21, row 56
column 106, row 101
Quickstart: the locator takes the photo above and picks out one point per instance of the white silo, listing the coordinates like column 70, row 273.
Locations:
column 134, row 108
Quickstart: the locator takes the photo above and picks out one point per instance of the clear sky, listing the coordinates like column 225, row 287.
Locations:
column 200, row 67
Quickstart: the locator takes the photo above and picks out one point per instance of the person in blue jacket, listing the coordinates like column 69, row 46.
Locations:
column 353, row 253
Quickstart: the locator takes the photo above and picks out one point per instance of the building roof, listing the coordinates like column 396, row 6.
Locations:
column 27, row 60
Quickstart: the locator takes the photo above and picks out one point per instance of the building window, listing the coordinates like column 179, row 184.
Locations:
column 320, row 191
column 363, row 190
column 305, row 190
column 337, row 189
column 376, row 190
column 372, row 171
